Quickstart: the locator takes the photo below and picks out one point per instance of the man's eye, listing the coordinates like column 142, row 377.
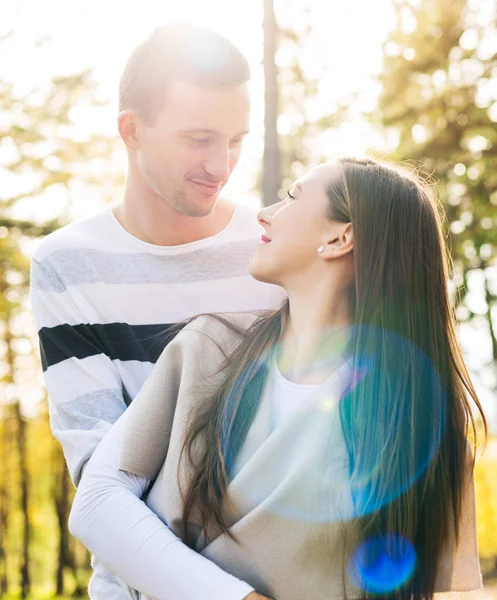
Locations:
column 289, row 196
column 236, row 142
column 200, row 141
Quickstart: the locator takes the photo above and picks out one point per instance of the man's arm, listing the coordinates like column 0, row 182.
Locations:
column 85, row 389
column 109, row 518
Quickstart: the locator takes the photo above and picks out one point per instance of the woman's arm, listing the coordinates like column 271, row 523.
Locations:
column 109, row 518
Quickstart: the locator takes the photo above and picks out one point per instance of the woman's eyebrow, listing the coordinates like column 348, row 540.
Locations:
column 297, row 187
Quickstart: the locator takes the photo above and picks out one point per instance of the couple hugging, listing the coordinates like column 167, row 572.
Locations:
column 251, row 406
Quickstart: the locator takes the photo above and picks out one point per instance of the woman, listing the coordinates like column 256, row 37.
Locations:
column 319, row 451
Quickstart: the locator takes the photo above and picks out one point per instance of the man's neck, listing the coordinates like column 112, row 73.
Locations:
column 152, row 220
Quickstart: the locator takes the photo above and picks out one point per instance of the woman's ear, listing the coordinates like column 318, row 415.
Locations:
column 128, row 128
column 339, row 242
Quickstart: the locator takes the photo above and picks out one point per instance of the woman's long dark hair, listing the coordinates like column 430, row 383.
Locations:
column 407, row 418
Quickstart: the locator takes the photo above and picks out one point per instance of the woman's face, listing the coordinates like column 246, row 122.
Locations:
column 294, row 230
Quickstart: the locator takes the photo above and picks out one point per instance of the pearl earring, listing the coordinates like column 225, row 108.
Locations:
column 320, row 249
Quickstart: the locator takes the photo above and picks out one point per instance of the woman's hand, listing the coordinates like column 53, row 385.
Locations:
column 256, row 596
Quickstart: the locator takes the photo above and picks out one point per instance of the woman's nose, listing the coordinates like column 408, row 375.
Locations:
column 264, row 216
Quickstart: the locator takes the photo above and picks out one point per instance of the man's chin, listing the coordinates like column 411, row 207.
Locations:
column 199, row 213
column 197, row 209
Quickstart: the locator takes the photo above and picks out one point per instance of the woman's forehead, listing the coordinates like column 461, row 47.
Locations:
column 323, row 174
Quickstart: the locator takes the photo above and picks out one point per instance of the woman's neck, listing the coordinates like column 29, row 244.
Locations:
column 316, row 337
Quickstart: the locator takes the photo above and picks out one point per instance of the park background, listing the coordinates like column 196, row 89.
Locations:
column 410, row 80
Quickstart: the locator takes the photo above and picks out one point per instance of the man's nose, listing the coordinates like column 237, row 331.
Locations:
column 217, row 164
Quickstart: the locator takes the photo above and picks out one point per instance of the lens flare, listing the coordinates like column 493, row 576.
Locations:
column 382, row 565
column 313, row 470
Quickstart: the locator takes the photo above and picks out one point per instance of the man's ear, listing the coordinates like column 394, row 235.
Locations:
column 127, row 124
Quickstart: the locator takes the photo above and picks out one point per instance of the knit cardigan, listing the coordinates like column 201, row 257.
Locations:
column 290, row 503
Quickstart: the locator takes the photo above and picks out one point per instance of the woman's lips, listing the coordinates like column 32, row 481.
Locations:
column 265, row 240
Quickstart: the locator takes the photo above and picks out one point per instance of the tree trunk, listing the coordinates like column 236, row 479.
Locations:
column 23, row 467
column 490, row 300
column 4, row 523
column 61, row 492
column 271, row 179
column 61, row 510
column 24, row 481
column 4, row 497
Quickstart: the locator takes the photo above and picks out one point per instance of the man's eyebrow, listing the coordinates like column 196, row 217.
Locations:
column 211, row 132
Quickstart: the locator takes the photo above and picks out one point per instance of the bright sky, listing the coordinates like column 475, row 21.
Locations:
column 101, row 34
column 347, row 39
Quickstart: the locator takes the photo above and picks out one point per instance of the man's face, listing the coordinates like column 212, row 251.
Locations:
column 186, row 155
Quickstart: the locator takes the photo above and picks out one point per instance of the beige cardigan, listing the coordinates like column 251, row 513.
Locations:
column 288, row 514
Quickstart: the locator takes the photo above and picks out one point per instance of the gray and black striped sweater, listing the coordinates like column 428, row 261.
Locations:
column 101, row 300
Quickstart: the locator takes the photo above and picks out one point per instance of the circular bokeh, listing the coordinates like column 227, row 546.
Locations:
column 382, row 565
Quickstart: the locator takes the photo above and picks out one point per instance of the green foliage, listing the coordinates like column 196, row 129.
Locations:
column 36, row 136
column 439, row 99
column 43, row 155
column 39, row 132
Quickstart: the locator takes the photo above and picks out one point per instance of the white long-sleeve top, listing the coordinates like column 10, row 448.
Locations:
column 111, row 520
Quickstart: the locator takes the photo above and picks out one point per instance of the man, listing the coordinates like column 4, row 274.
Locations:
column 104, row 288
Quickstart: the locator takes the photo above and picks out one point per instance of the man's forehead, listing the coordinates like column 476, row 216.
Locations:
column 197, row 110
column 179, row 90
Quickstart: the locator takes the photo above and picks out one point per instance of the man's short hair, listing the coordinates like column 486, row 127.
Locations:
column 178, row 51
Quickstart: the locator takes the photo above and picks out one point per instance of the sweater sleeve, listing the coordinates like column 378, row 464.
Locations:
column 84, row 387
column 109, row 518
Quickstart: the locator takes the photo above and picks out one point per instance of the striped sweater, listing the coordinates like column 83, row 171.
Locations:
column 102, row 300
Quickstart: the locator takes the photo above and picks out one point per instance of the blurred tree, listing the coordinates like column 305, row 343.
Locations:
column 43, row 156
column 42, row 145
column 292, row 77
column 24, row 498
column 4, row 505
column 271, row 178
column 439, row 102
column 62, row 493
column 13, row 277
column 3, row 554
